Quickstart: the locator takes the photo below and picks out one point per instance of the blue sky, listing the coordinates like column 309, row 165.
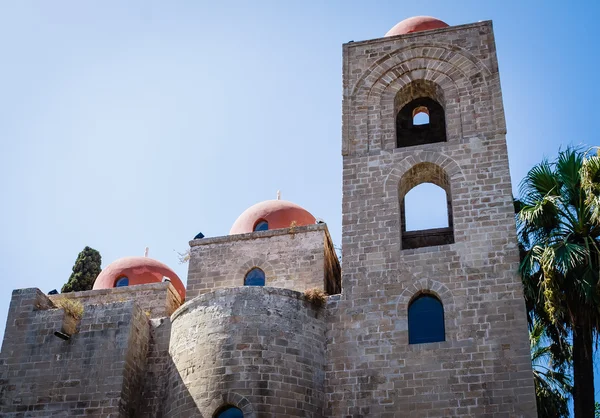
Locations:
column 140, row 123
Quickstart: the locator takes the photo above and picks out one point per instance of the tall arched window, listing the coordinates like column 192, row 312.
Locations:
column 426, row 320
column 255, row 277
column 229, row 411
column 430, row 227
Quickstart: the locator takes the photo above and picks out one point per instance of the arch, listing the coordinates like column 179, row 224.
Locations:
column 425, row 172
column 458, row 57
column 434, row 130
column 229, row 411
column 449, row 165
column 457, row 71
column 122, row 281
column 431, row 286
column 255, row 277
column 230, row 399
column 261, row 225
column 237, row 276
column 426, row 319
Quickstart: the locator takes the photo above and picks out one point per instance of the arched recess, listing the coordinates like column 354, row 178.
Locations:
column 425, row 172
column 232, row 399
column 238, row 275
column 419, row 96
column 458, row 72
column 426, row 286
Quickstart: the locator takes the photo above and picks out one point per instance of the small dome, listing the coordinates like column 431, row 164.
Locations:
column 416, row 24
column 137, row 270
column 277, row 213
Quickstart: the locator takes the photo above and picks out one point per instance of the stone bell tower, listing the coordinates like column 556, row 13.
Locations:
column 432, row 322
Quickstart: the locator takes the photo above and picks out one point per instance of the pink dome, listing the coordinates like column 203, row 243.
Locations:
column 278, row 213
column 139, row 270
column 416, row 24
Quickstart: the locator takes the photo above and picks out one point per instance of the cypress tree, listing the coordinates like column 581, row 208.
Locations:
column 85, row 271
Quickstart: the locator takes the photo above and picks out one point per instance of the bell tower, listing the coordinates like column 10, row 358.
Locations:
column 433, row 322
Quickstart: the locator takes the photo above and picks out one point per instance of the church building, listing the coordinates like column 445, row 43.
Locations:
column 427, row 323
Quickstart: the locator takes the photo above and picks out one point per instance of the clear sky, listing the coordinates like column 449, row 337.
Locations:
column 141, row 123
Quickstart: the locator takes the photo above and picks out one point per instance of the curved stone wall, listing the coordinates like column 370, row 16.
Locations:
column 261, row 349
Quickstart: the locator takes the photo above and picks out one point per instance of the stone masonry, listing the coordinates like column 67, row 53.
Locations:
column 280, row 351
column 483, row 368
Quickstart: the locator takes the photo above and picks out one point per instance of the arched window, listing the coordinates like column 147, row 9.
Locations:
column 420, row 114
column 261, row 225
column 255, row 277
column 122, row 281
column 425, row 207
column 426, row 320
column 229, row 411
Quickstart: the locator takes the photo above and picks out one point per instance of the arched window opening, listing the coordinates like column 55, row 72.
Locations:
column 426, row 320
column 261, row 225
column 425, row 207
column 420, row 116
column 122, row 281
column 255, row 277
column 229, row 411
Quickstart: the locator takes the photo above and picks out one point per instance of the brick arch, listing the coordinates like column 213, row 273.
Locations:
column 452, row 68
column 448, row 165
column 233, row 399
column 264, row 265
column 442, row 52
column 382, row 135
column 424, row 286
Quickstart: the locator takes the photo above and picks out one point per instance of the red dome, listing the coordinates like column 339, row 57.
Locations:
column 278, row 213
column 416, row 24
column 139, row 270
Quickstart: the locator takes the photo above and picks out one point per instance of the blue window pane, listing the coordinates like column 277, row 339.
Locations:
column 123, row 281
column 426, row 320
column 230, row 412
column 255, row 277
column 261, row 226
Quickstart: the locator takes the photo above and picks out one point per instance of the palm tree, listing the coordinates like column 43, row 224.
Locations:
column 552, row 385
column 559, row 227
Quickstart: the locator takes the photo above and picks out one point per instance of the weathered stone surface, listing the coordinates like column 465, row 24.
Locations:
column 483, row 368
column 297, row 258
column 264, row 347
column 95, row 373
column 270, row 352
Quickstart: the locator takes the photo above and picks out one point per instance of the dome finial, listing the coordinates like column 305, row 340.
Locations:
column 278, row 194
column 146, row 251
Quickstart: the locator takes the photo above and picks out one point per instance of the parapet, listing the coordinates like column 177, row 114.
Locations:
column 155, row 299
column 296, row 258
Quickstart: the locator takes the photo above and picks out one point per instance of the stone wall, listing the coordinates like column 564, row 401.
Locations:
column 155, row 299
column 258, row 348
column 483, row 367
column 96, row 372
column 158, row 366
column 292, row 258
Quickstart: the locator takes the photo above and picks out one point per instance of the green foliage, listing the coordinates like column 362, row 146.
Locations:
column 552, row 384
column 558, row 220
column 85, row 271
